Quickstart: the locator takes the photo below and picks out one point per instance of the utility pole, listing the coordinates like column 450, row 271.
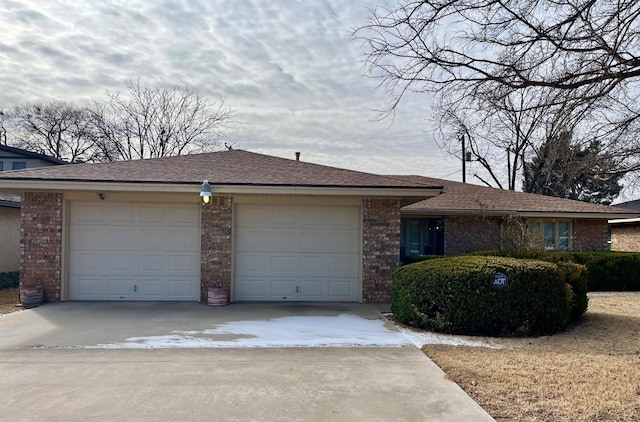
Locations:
column 464, row 159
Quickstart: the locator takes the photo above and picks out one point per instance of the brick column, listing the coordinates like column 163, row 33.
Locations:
column 41, row 242
column 216, row 227
column 381, row 247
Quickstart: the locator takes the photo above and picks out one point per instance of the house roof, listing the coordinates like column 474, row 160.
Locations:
column 223, row 168
column 462, row 198
column 630, row 205
column 30, row 154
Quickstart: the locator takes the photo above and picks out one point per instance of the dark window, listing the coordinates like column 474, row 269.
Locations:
column 1, row 165
column 19, row 165
column 421, row 236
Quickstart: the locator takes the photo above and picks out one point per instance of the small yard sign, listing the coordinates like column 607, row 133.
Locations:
column 499, row 281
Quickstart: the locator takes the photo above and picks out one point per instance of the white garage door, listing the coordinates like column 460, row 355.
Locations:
column 124, row 251
column 297, row 253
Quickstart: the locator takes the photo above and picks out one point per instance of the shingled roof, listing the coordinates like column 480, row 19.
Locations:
column 233, row 167
column 462, row 198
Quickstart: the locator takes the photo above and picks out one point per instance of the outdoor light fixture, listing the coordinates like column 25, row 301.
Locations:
column 205, row 192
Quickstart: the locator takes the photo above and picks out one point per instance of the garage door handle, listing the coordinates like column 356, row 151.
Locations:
column 135, row 288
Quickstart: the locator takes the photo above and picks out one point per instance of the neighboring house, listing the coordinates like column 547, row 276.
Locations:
column 468, row 217
column 625, row 232
column 274, row 230
column 9, row 232
column 15, row 159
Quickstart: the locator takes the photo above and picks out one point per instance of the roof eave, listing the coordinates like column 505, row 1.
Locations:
column 525, row 214
column 16, row 186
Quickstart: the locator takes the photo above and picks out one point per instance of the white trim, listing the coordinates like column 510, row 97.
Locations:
column 18, row 186
column 624, row 221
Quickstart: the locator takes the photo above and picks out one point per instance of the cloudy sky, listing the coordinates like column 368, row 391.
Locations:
column 288, row 68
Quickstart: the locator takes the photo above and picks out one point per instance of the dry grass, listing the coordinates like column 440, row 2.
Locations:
column 9, row 301
column 591, row 372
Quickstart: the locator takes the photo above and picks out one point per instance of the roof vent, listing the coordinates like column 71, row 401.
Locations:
column 297, row 156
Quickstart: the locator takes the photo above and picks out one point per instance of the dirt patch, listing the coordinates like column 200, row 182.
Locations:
column 591, row 372
column 9, row 301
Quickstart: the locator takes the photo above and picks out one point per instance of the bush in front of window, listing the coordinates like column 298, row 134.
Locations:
column 455, row 295
column 607, row 271
column 9, row 280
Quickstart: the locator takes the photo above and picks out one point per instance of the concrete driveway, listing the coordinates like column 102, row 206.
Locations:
column 244, row 362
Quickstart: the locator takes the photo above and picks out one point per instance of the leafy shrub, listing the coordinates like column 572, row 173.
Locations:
column 608, row 271
column 454, row 295
column 410, row 259
column 9, row 280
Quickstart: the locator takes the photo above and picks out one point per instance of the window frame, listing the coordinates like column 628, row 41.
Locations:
column 22, row 164
column 539, row 238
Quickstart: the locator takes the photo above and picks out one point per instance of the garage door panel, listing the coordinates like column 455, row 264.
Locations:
column 248, row 264
column 88, row 288
column 343, row 266
column 340, row 289
column 183, row 214
column 88, row 237
column 184, row 264
column 283, row 240
column 123, row 263
column 250, row 240
column 281, row 264
column 313, row 217
column 120, row 213
column 314, row 241
column 120, row 287
column 87, row 213
column 343, row 242
column 296, row 252
column 153, row 240
column 150, row 263
column 151, row 288
column 283, row 216
column 344, row 219
column 183, row 289
column 151, row 214
column 184, row 239
column 88, row 262
column 121, row 239
column 313, row 264
column 134, row 251
column 249, row 288
column 282, row 288
column 312, row 289
column 254, row 216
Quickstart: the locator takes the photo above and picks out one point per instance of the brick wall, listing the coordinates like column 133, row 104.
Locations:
column 216, row 229
column 590, row 235
column 465, row 233
column 41, row 242
column 381, row 247
column 625, row 237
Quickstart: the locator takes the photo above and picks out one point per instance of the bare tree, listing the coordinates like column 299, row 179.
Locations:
column 3, row 127
column 56, row 128
column 510, row 75
column 154, row 122
column 584, row 47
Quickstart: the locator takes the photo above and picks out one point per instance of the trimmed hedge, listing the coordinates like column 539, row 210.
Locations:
column 608, row 271
column 454, row 295
column 9, row 280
